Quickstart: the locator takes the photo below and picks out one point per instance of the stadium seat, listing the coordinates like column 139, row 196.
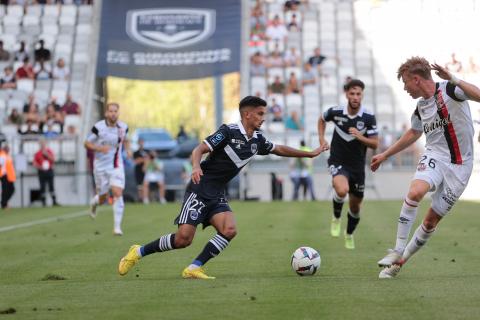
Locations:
column 61, row 95
column 51, row 11
column 26, row 85
column 33, row 10
column 15, row 10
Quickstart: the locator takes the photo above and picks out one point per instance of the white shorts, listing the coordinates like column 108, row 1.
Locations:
column 109, row 178
column 447, row 181
column 154, row 177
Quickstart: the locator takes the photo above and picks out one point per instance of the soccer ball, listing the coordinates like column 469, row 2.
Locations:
column 305, row 261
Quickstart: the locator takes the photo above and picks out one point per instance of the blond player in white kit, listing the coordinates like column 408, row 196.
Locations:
column 106, row 140
column 443, row 114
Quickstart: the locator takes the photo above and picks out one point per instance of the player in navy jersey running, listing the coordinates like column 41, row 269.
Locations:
column 443, row 114
column 230, row 148
column 355, row 130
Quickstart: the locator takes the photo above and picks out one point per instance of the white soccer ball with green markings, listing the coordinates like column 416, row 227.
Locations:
column 306, row 261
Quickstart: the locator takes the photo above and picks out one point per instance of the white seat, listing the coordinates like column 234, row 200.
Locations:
column 68, row 150
column 49, row 39
column 51, row 10
column 69, row 10
column 51, row 29
column 80, row 57
column 60, row 85
column 41, row 96
column 61, row 95
column 33, row 10
column 9, row 41
column 63, row 50
column 84, row 29
column 10, row 130
column 26, row 85
column 31, row 21
column 15, row 103
column 2, row 10
column 19, row 95
column 15, row 10
column 72, row 120
column 49, row 20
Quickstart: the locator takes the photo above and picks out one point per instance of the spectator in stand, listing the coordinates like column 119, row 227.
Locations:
column 61, row 71
column 293, row 85
column 31, row 116
column 31, row 101
column 4, row 54
column 276, row 30
column 317, row 59
column 291, row 5
column 293, row 24
column 21, row 53
column 8, row 80
column 44, row 160
column 257, row 65
column 257, row 14
column 275, row 59
column 292, row 58
column 70, row 107
column 454, row 65
column 257, row 33
column 294, row 122
column 53, row 101
column 7, row 174
column 15, row 117
column 276, row 110
column 277, row 86
column 42, row 53
column 25, row 71
column 42, row 70
column 308, row 77
column 139, row 157
column 52, row 117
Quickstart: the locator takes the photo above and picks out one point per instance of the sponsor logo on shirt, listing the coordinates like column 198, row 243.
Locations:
column 438, row 123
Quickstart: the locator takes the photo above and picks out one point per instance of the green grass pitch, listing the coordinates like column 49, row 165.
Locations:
column 254, row 277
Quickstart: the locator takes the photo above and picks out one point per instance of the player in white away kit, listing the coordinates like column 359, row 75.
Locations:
column 106, row 140
column 443, row 114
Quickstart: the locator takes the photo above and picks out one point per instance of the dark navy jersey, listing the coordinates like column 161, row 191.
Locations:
column 344, row 148
column 230, row 150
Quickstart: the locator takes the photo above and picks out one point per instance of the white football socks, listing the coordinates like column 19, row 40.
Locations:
column 118, row 207
column 420, row 237
column 405, row 222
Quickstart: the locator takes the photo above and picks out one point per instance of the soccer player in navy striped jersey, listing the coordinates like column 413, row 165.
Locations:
column 355, row 130
column 443, row 114
column 230, row 148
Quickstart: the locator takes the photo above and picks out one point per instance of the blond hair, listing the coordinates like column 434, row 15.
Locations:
column 415, row 65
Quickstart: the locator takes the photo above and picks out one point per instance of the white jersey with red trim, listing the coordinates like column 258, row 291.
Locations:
column 447, row 123
column 113, row 137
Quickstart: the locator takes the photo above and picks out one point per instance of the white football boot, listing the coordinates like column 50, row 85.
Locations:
column 390, row 272
column 392, row 257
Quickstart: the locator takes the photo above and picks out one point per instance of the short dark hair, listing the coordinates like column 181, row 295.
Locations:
column 354, row 83
column 251, row 101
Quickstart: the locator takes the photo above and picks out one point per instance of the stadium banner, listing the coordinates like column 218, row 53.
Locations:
column 169, row 39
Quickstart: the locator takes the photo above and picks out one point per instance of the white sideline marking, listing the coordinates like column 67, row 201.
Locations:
column 46, row 220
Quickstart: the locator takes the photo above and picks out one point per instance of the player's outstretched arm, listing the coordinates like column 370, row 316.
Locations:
column 321, row 125
column 286, row 151
column 471, row 90
column 405, row 140
column 197, row 154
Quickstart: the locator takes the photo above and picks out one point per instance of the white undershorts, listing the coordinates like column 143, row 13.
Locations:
column 447, row 181
column 105, row 179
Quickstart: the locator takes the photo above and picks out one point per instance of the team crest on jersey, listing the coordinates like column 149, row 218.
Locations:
column 253, row 148
column 170, row 28
column 360, row 125
column 194, row 214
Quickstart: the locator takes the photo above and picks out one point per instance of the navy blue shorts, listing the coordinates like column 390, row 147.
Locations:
column 196, row 210
column 356, row 178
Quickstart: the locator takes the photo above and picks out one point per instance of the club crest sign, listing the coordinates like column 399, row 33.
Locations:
column 170, row 28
